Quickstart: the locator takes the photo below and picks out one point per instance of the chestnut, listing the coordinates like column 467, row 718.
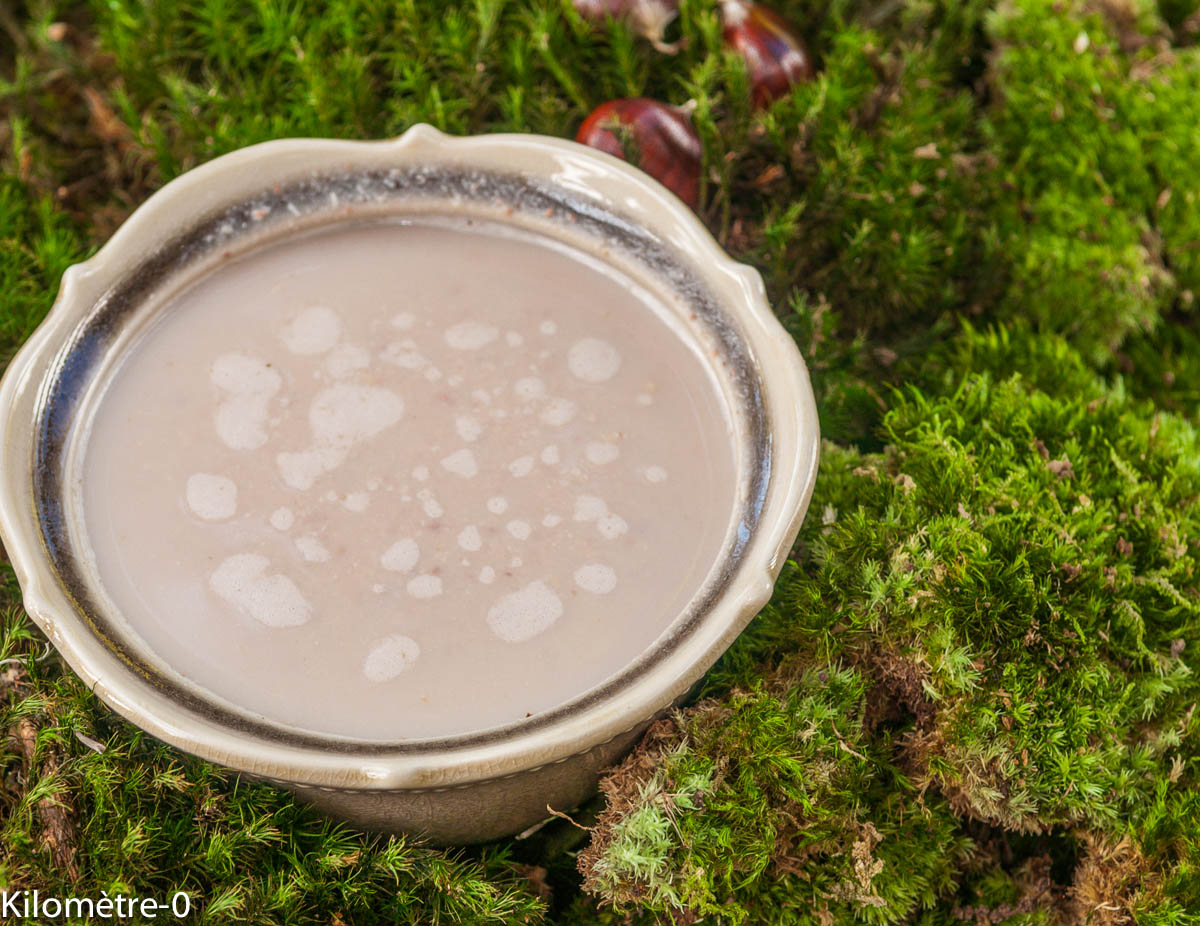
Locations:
column 776, row 57
column 658, row 138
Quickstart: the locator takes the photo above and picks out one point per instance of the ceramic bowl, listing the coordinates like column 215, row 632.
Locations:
column 456, row 789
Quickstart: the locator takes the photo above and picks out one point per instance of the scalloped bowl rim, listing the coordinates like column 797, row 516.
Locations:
column 791, row 419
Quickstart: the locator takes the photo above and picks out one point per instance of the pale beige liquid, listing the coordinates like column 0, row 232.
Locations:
column 400, row 481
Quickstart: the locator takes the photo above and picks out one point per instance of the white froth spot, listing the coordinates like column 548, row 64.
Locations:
column 611, row 526
column 378, row 588
column 468, row 428
column 497, row 504
column 213, row 498
column 454, row 379
column 248, row 384
column 372, row 485
column 314, row 331
column 519, row 529
column 514, row 339
column 596, row 578
column 558, row 412
column 524, row 614
column 593, row 360
column 420, row 473
column 516, row 562
column 271, row 600
column 487, row 575
column 242, row 374
column 589, row 508
column 312, row 549
column 601, row 452
column 551, row 520
column 403, row 320
column 300, row 470
column 430, row 505
column 405, row 355
column 345, row 414
column 482, row 396
column 521, row 466
column 644, row 398
column 356, row 501
column 345, row 359
column 401, row 556
column 529, row 387
column 470, row 335
column 461, row 463
column 425, row 586
column 433, row 374
column 339, row 417
column 655, row 474
column 469, row 539
column 282, row 519
column 550, row 455
column 389, row 657
column 548, row 327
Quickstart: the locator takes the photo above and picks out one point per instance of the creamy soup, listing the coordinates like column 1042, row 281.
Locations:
column 399, row 481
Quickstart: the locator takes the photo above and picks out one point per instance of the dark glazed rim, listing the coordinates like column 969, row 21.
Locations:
column 326, row 198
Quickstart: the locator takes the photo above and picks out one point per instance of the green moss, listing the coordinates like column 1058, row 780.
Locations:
column 1015, row 576
column 764, row 808
column 36, row 245
column 148, row 821
column 886, row 199
column 1092, row 123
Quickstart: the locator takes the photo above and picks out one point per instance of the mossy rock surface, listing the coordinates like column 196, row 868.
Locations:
column 973, row 696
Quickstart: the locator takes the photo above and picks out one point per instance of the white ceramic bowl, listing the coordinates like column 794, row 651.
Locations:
column 456, row 789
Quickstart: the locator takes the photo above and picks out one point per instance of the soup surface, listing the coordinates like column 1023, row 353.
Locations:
column 395, row 481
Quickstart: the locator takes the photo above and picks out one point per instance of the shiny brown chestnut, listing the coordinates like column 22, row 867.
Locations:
column 649, row 18
column 658, row 138
column 776, row 57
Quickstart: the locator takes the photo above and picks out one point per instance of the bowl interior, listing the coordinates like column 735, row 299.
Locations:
column 97, row 346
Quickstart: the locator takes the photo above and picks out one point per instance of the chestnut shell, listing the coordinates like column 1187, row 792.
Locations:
column 776, row 57
column 656, row 137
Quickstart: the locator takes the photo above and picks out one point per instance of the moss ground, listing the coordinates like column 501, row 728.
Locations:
column 973, row 696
